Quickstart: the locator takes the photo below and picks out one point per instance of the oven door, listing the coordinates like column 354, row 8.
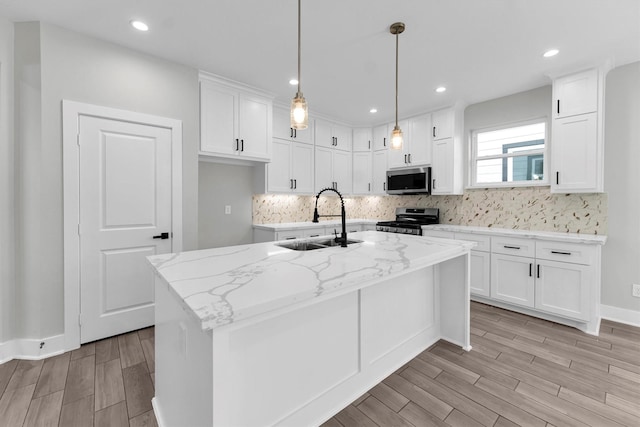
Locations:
column 409, row 181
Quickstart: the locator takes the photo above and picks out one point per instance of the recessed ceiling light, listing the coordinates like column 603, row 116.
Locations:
column 139, row 25
column 441, row 89
column 373, row 110
column 293, row 82
column 550, row 53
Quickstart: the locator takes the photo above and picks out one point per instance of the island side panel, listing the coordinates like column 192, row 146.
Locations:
column 183, row 357
column 453, row 282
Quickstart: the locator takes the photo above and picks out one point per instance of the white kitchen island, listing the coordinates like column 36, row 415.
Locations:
column 259, row 335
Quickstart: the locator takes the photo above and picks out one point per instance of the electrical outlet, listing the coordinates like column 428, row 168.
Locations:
column 227, row 210
column 636, row 290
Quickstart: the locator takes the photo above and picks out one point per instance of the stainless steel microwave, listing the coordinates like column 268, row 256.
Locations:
column 409, row 181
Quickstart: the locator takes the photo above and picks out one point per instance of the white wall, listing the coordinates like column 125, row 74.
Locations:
column 76, row 67
column 223, row 185
column 7, row 236
column 621, row 254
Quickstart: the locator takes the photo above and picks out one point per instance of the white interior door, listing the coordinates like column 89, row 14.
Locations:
column 125, row 206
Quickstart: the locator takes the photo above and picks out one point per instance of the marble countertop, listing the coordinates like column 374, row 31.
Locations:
column 221, row 286
column 593, row 239
column 287, row 226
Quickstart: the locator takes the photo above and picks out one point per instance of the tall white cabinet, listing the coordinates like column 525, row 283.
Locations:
column 577, row 129
column 447, row 173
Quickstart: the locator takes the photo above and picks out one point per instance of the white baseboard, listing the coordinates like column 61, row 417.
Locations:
column 620, row 315
column 157, row 413
column 30, row 349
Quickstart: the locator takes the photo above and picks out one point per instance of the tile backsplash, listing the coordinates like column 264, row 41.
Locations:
column 530, row 208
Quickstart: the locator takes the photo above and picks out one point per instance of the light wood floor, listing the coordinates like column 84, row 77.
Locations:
column 521, row 371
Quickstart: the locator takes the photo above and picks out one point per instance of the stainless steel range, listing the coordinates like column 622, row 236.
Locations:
column 410, row 220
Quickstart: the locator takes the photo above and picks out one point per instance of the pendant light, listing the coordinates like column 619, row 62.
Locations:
column 396, row 134
column 299, row 110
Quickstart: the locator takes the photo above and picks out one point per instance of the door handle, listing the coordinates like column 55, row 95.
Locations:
column 557, row 177
column 434, row 131
column 558, row 107
column 434, row 183
column 511, row 247
column 237, row 144
column 530, row 267
column 290, row 132
column 295, row 133
column 295, row 184
column 538, row 272
column 405, row 158
column 162, row 236
column 384, row 141
column 291, row 184
column 242, row 145
column 409, row 157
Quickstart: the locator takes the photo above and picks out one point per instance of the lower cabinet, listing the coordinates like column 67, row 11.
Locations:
column 480, row 273
column 564, row 289
column 512, row 279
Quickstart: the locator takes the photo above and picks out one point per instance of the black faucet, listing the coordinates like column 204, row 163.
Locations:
column 343, row 237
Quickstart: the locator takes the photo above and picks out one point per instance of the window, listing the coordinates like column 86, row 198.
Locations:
column 509, row 156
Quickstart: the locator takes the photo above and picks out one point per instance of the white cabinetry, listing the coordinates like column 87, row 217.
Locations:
column 577, row 133
column 379, row 172
column 447, row 157
column 400, row 158
column 282, row 127
column 235, row 122
column 333, row 169
column 558, row 280
column 332, row 135
column 362, row 173
column 362, row 139
column 291, row 169
column 380, row 137
column 416, row 149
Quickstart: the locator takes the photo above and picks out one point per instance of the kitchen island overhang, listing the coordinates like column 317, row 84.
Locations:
column 296, row 336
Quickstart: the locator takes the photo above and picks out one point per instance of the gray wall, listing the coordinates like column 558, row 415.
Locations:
column 7, row 236
column 80, row 68
column 621, row 254
column 223, row 185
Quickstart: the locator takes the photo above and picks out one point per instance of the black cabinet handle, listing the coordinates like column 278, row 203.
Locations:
column 295, row 184
column 291, row 133
column 434, row 131
column 242, row 145
column 530, row 267
column 237, row 144
column 558, row 106
column 369, row 144
column 384, row 186
column 561, row 253
column 384, row 141
column 291, row 184
column 512, row 247
column 162, row 236
column 290, row 238
column 369, row 187
column 405, row 158
column 538, row 272
column 314, row 235
column 409, row 157
column 295, row 133
column 557, row 177
column 433, row 185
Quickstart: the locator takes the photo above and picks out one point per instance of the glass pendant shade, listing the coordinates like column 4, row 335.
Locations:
column 299, row 112
column 396, row 138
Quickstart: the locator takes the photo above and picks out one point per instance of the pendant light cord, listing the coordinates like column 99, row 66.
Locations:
column 396, row 79
column 299, row 20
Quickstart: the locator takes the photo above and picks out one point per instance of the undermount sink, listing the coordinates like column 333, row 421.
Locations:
column 310, row 245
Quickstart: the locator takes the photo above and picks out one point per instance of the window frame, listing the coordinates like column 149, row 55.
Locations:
column 473, row 155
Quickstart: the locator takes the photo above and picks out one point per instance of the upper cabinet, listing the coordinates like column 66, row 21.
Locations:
column 362, row 139
column 381, row 135
column 333, row 135
column 577, row 133
column 447, row 166
column 235, row 121
column 282, row 127
column 416, row 147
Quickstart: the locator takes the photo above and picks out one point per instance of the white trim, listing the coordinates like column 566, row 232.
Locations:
column 157, row 412
column 71, row 112
column 29, row 349
column 620, row 315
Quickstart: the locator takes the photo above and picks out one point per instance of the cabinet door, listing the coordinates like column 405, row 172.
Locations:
column 564, row 289
column 576, row 94
column 573, row 154
column 400, row 158
column 397, row 158
column 278, row 173
column 379, row 172
column 480, row 273
column 442, row 169
column 342, row 171
column 306, row 135
column 442, row 124
column 301, row 167
column 512, row 279
column 218, row 119
column 282, row 123
column 362, row 173
column 362, row 139
column 380, row 137
column 255, row 116
column 344, row 137
column 323, row 168
column 420, row 131
column 324, row 135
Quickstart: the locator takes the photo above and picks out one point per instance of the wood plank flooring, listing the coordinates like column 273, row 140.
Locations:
column 521, row 371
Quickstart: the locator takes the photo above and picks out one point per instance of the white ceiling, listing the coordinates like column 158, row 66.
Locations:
column 478, row 49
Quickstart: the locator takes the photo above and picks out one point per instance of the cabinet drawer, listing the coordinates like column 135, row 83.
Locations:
column 484, row 242
column 513, row 246
column 313, row 232
column 566, row 252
